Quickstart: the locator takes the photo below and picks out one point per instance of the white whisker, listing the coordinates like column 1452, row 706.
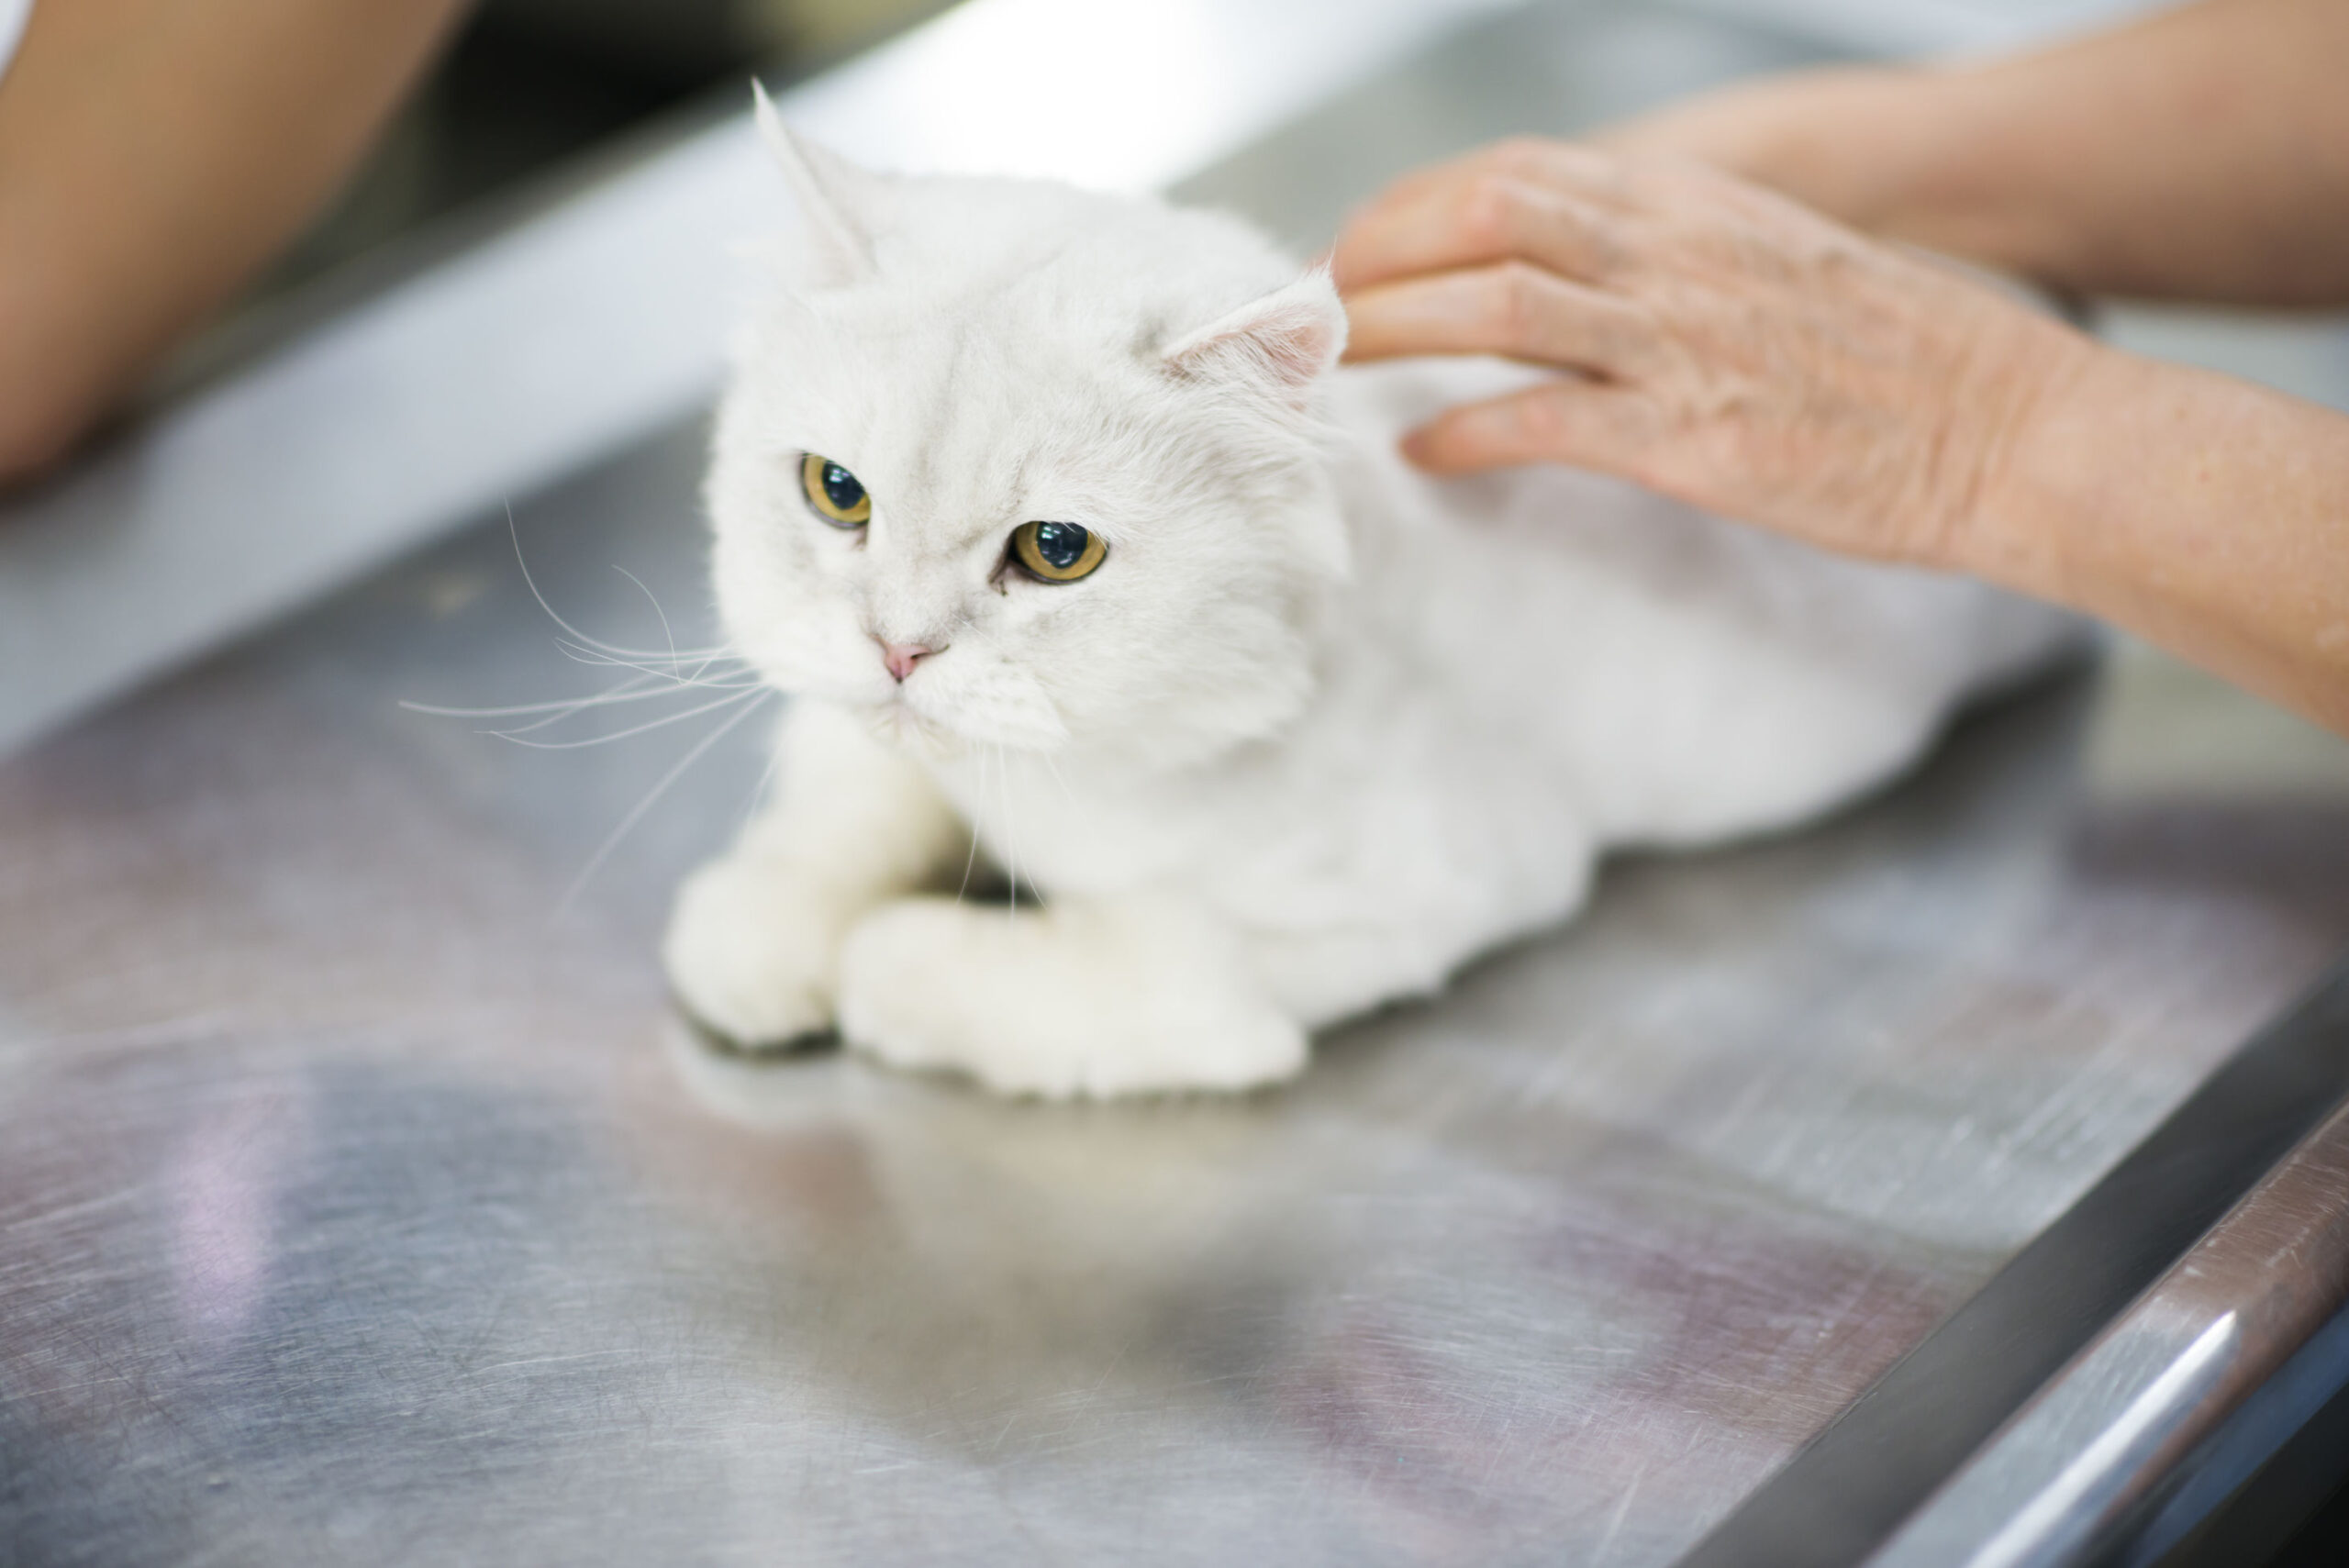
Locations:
column 645, row 687
column 671, row 690
column 758, row 789
column 583, row 655
column 667, row 636
column 600, row 646
column 1055, row 770
column 516, row 736
column 634, row 689
column 718, row 733
column 1010, row 833
column 972, row 859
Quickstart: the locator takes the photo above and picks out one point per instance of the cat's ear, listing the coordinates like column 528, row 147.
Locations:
column 1287, row 337
column 839, row 246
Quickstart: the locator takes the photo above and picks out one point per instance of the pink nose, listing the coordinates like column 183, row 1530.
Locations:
column 901, row 657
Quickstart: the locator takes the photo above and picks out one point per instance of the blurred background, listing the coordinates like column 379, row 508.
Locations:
column 529, row 85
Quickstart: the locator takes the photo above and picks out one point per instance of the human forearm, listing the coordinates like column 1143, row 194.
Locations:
column 151, row 156
column 1739, row 351
column 2203, row 153
column 2204, row 513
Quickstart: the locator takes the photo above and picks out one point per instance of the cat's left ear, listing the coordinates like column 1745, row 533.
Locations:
column 839, row 246
column 1287, row 337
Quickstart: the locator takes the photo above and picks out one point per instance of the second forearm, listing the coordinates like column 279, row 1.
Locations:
column 2199, row 153
column 2205, row 514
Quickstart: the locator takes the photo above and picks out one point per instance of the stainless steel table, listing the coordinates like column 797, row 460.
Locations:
column 362, row 1199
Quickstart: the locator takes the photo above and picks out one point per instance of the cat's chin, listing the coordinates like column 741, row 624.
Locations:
column 921, row 731
column 895, row 725
column 912, row 733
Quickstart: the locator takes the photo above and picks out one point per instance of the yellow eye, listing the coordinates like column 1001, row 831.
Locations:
column 1057, row 552
column 834, row 493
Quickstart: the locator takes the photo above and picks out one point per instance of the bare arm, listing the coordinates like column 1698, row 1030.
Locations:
column 1728, row 347
column 152, row 155
column 2201, row 153
column 2207, row 514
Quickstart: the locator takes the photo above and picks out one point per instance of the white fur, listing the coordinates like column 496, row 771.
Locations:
column 1319, row 731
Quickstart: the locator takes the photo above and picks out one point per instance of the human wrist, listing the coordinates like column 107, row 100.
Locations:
column 2196, row 510
column 2038, row 462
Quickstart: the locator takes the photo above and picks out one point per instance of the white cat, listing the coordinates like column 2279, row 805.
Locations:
column 1053, row 517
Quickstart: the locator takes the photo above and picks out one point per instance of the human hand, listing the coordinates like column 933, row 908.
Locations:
column 1717, row 342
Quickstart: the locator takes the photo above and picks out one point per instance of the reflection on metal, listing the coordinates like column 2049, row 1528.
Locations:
column 1853, row 1486
column 2163, row 1376
column 2055, row 1520
column 591, row 325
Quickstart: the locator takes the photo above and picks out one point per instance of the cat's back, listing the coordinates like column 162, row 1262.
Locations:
column 1696, row 677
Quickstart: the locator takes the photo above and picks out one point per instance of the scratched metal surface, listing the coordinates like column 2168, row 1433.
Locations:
column 360, row 1201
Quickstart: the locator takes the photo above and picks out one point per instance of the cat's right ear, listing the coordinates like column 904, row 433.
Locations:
column 1287, row 338
column 839, row 248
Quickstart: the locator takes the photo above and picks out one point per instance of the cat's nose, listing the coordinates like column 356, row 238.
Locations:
column 901, row 657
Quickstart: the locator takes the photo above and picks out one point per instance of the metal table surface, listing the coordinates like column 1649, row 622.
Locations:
column 362, row 1199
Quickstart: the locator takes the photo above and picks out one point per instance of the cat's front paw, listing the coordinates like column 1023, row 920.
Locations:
column 1047, row 1005
column 752, row 953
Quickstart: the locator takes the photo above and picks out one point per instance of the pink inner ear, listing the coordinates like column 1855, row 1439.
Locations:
column 1295, row 332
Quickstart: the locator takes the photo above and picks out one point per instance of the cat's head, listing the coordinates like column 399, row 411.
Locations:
column 1007, row 464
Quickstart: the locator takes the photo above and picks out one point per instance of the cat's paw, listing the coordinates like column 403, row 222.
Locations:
column 752, row 953
column 1028, row 1008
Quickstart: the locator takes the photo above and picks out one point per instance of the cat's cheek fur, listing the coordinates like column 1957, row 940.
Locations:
column 765, row 578
column 981, row 697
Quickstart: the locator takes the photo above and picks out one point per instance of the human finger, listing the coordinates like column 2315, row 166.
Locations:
column 1473, row 218
column 1573, row 419
column 1513, row 309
